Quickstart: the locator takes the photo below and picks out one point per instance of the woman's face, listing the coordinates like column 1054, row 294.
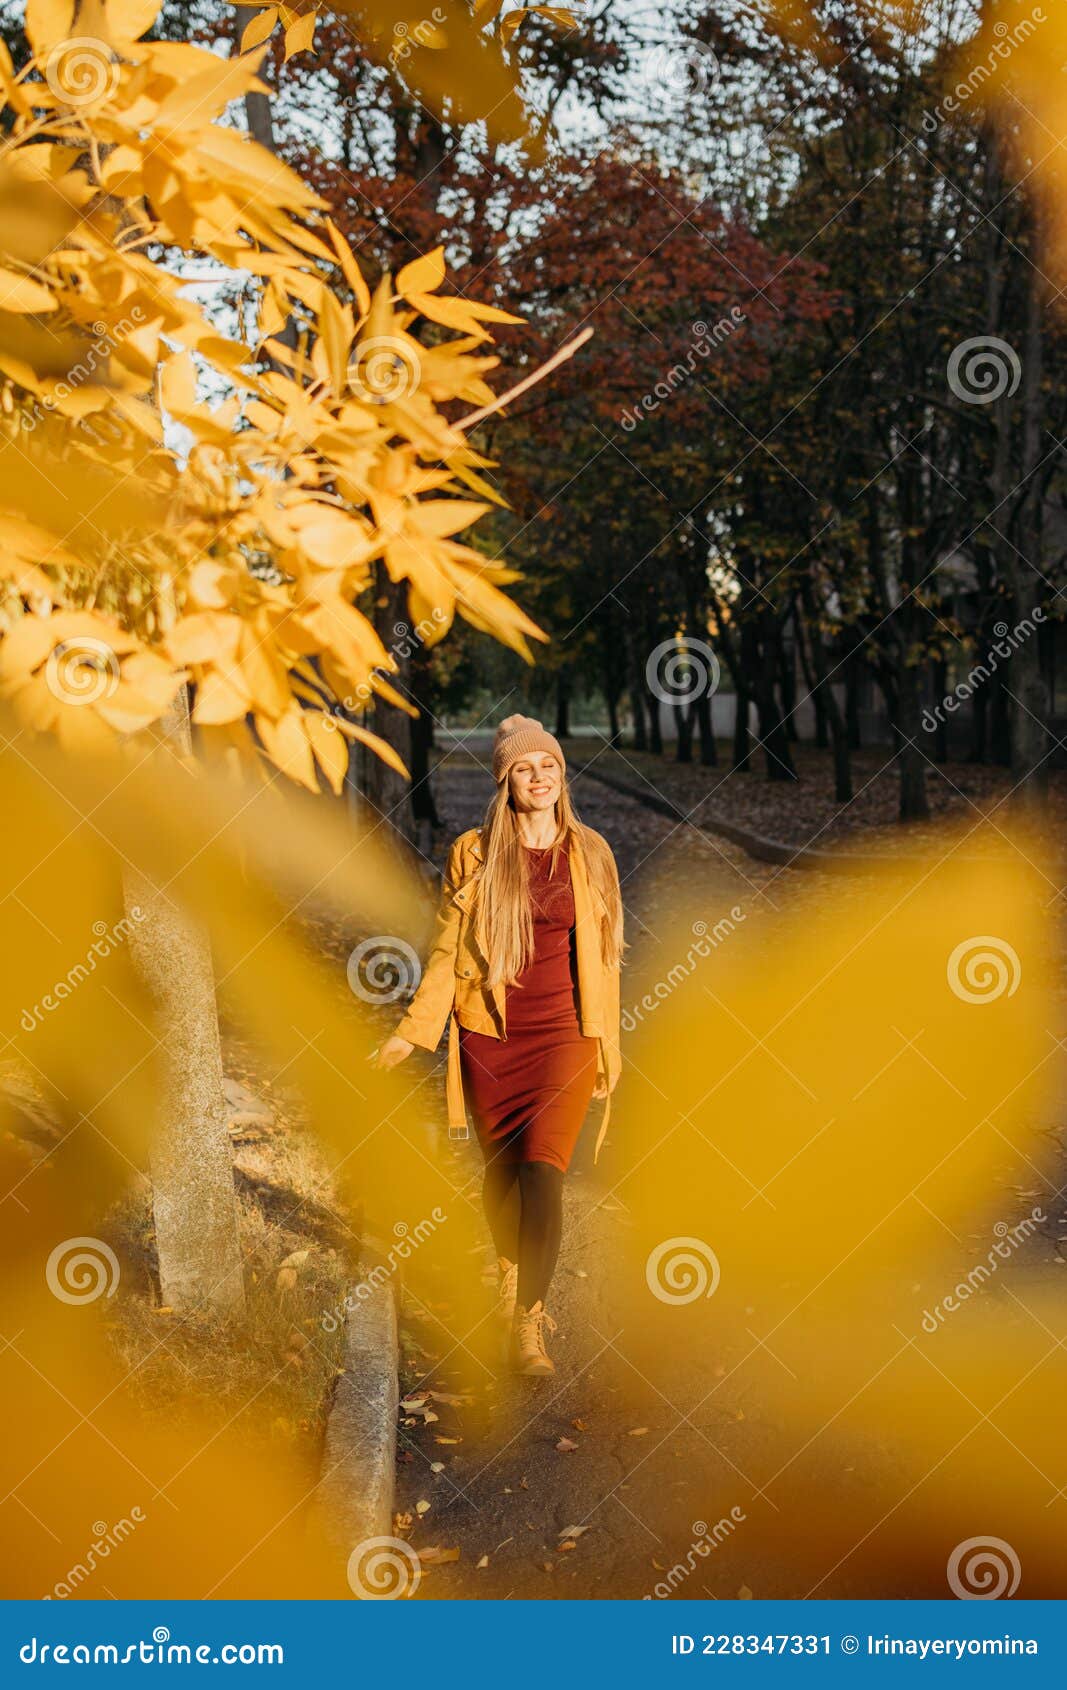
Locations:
column 534, row 782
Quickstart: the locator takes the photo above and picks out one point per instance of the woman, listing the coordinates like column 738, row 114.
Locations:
column 525, row 968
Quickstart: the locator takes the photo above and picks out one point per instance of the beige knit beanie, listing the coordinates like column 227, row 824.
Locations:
column 516, row 737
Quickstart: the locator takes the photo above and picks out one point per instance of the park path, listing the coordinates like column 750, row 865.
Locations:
column 648, row 1454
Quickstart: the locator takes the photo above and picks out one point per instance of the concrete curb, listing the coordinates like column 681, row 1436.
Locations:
column 756, row 844
column 354, row 1501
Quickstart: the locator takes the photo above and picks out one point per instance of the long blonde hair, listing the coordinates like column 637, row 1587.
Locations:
column 503, row 913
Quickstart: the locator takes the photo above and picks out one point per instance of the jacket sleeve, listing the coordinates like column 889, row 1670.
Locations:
column 430, row 1008
column 612, row 1011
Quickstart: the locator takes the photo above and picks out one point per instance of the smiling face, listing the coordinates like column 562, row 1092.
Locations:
column 534, row 782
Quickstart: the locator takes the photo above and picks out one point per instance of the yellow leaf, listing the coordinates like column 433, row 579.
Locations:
column 331, row 752
column 384, row 750
column 48, row 22
column 422, row 275
column 286, row 744
column 350, row 269
column 300, row 36
column 22, row 293
column 259, row 28
column 128, row 20
column 455, row 313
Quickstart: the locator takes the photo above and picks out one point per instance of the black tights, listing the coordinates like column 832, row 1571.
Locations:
column 524, row 1207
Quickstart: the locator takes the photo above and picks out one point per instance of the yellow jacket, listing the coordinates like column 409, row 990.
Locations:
column 454, row 988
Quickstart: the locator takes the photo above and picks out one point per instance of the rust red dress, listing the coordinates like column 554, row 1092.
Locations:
column 528, row 1093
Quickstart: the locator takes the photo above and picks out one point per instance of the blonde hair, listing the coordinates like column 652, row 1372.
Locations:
column 504, row 915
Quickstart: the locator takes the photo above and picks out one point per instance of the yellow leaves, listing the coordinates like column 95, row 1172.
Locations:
column 456, row 313
column 236, row 568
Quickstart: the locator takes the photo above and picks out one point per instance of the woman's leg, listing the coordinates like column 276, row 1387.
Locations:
column 501, row 1201
column 540, row 1229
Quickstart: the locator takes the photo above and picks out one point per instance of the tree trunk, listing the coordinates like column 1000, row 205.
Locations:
column 191, row 1160
column 709, row 755
column 563, row 704
column 910, row 761
column 1027, row 682
column 684, row 718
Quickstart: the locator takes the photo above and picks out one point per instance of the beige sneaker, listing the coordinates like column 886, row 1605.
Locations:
column 528, row 1353
column 507, row 1291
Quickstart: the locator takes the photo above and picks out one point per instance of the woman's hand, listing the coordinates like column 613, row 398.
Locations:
column 602, row 1088
column 394, row 1051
